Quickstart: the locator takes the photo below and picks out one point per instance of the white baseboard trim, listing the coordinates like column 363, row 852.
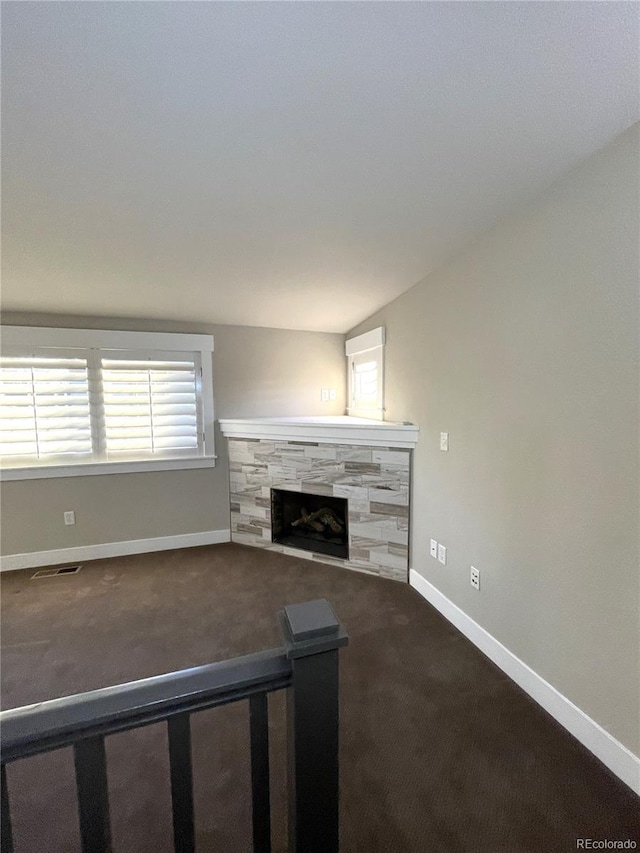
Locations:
column 604, row 746
column 11, row 562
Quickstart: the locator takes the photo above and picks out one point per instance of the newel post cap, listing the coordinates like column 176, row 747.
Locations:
column 311, row 628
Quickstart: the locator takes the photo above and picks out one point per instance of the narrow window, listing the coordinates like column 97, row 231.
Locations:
column 365, row 354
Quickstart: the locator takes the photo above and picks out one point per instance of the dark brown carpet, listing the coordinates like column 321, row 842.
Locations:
column 439, row 750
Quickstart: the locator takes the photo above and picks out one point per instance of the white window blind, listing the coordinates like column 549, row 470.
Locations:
column 44, row 409
column 150, row 407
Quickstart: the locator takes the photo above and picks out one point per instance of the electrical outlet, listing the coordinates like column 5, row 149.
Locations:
column 433, row 548
column 324, row 395
column 70, row 517
column 332, row 395
column 442, row 555
column 444, row 441
column 475, row 578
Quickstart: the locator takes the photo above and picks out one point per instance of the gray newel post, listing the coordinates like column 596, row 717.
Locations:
column 313, row 637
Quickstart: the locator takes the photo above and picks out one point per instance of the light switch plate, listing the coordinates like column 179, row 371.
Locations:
column 442, row 555
column 433, row 548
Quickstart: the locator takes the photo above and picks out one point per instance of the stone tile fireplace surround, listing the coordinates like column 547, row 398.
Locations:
column 366, row 462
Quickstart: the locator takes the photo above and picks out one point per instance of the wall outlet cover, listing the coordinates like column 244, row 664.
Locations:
column 444, row 441
column 442, row 555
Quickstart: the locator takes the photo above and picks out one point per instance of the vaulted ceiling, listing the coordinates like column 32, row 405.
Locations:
column 295, row 164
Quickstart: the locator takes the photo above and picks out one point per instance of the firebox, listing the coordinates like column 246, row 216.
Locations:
column 311, row 522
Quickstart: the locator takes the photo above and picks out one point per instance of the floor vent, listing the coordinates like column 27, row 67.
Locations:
column 52, row 573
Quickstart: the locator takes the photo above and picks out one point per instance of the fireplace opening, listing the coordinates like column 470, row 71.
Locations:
column 310, row 522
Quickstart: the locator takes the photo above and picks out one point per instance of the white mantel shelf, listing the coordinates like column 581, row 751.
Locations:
column 327, row 430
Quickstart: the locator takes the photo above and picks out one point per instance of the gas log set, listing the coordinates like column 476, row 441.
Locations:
column 311, row 522
column 319, row 520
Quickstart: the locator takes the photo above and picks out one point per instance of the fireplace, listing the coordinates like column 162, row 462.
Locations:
column 310, row 522
column 369, row 467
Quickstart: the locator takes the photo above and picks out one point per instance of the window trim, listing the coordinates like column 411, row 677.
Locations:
column 84, row 469
column 28, row 339
column 369, row 344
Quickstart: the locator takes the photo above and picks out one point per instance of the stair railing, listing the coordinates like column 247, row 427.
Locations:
column 306, row 666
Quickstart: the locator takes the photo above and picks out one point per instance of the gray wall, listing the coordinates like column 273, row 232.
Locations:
column 257, row 372
column 525, row 350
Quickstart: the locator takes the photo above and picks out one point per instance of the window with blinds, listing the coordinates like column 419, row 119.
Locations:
column 44, row 409
column 150, row 407
column 65, row 407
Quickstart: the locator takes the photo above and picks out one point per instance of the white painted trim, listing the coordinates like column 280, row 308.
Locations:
column 368, row 340
column 597, row 740
column 44, row 472
column 39, row 336
column 330, row 430
column 206, row 396
column 11, row 562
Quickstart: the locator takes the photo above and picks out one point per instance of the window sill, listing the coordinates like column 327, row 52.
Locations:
column 92, row 468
